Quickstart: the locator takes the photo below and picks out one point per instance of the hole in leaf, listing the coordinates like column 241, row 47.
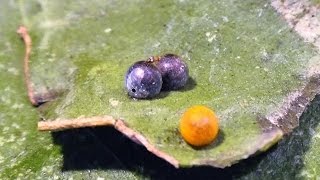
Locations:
column 133, row 90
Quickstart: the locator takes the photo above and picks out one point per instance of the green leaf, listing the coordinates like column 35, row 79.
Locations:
column 243, row 59
column 245, row 62
column 26, row 153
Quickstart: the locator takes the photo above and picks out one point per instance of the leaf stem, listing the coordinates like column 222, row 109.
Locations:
column 23, row 32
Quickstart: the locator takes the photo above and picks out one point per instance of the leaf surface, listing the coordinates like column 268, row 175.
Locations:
column 245, row 63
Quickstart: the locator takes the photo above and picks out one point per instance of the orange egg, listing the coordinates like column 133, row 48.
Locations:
column 199, row 126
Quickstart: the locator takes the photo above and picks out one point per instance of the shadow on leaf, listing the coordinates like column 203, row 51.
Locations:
column 191, row 84
column 106, row 148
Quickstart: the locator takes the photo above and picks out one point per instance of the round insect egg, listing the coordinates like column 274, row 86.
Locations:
column 143, row 80
column 199, row 126
column 174, row 71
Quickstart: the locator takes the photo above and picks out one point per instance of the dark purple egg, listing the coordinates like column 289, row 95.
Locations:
column 143, row 80
column 174, row 72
